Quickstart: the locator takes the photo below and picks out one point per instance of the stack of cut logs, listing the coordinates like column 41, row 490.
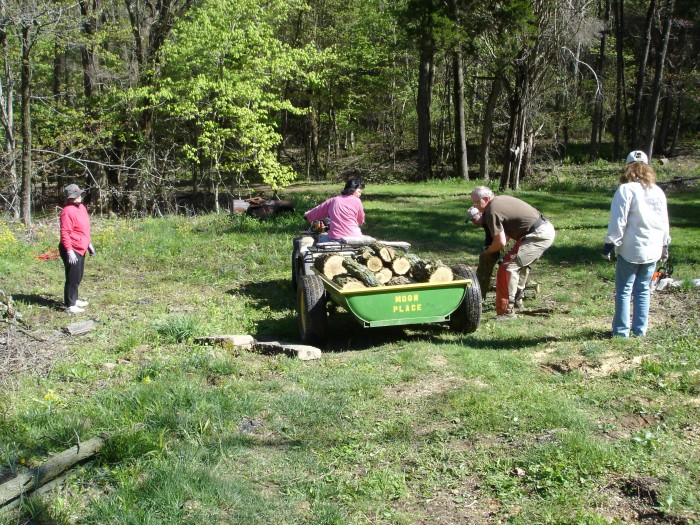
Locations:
column 380, row 265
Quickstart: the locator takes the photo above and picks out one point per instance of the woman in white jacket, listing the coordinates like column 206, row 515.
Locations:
column 639, row 232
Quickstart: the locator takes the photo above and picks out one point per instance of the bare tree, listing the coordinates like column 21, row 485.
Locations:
column 658, row 77
column 487, row 129
column 425, row 85
column 7, row 85
column 635, row 130
column 597, row 120
column 560, row 25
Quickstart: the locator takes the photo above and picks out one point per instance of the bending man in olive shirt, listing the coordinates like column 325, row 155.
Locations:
column 506, row 218
column 487, row 262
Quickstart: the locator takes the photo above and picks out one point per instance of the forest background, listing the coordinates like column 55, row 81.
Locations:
column 181, row 105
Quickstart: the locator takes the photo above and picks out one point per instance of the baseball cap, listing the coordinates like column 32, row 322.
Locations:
column 472, row 213
column 72, row 191
column 637, row 156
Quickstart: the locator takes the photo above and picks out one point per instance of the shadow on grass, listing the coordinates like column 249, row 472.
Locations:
column 38, row 300
column 347, row 334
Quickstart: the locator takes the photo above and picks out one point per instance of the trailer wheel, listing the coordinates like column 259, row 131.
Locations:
column 467, row 316
column 313, row 315
column 297, row 258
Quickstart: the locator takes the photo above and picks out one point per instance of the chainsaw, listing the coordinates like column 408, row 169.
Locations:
column 662, row 272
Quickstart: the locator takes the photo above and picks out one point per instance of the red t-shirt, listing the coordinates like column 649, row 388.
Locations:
column 75, row 228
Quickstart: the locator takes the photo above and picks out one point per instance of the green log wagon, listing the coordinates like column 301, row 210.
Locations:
column 457, row 303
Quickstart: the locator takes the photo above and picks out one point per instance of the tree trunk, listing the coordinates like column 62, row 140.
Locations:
column 425, row 83
column 677, row 126
column 620, row 76
column 461, row 165
column 658, row 78
column 662, row 136
column 7, row 116
column 88, row 11
column 150, row 27
column 487, row 129
column 515, row 142
column 26, row 80
column 635, row 131
column 597, row 121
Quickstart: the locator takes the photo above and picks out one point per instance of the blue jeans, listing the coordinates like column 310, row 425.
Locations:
column 632, row 280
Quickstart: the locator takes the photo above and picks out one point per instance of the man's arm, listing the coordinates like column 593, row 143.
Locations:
column 499, row 241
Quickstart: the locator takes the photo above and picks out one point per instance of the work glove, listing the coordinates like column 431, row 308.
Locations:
column 664, row 254
column 91, row 250
column 72, row 257
column 607, row 250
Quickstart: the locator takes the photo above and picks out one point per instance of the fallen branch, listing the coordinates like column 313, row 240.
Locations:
column 12, row 492
column 675, row 180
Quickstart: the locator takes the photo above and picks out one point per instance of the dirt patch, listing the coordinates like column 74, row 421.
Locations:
column 457, row 506
column 603, row 368
column 675, row 308
column 430, row 385
column 24, row 351
column 636, row 500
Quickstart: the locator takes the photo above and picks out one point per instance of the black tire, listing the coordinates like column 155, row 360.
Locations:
column 311, row 306
column 467, row 316
column 295, row 263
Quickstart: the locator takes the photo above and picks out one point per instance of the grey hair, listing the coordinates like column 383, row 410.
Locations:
column 482, row 192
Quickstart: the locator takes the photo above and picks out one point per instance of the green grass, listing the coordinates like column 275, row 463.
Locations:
column 540, row 420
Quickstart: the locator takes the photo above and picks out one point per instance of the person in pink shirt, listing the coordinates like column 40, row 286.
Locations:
column 345, row 212
column 75, row 243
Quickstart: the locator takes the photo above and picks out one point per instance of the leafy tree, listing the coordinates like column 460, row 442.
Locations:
column 220, row 87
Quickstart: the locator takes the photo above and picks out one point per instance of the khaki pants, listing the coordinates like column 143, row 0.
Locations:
column 513, row 273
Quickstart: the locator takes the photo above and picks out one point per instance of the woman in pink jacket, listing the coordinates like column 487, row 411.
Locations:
column 345, row 212
column 75, row 243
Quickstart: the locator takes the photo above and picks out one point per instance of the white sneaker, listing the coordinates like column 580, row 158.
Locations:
column 74, row 309
column 81, row 303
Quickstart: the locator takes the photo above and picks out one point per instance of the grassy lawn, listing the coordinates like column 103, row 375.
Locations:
column 537, row 420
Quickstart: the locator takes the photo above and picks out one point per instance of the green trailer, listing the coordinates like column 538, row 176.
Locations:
column 457, row 302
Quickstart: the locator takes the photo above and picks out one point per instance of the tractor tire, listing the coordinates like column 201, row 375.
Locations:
column 313, row 314
column 295, row 263
column 467, row 316
column 297, row 259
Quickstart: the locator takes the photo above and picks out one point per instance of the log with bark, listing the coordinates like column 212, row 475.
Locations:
column 360, row 272
column 384, row 275
column 264, row 208
column 374, row 263
column 399, row 280
column 400, row 266
column 365, row 254
column 330, row 264
column 431, row 272
column 384, row 252
column 12, row 492
column 348, row 284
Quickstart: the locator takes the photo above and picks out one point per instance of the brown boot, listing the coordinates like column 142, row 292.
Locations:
column 508, row 314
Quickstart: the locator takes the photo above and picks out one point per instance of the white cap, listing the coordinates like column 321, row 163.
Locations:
column 472, row 212
column 637, row 156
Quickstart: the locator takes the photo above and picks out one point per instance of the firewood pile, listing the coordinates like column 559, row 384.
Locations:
column 380, row 265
